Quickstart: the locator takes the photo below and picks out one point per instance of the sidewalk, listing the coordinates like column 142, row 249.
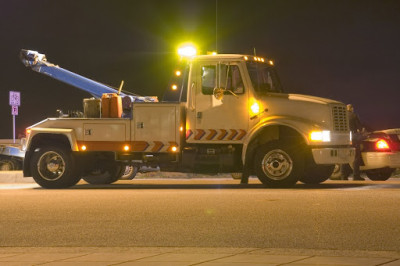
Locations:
column 182, row 256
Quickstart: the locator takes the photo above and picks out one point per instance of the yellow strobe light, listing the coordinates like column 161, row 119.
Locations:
column 255, row 108
column 83, row 148
column 187, row 50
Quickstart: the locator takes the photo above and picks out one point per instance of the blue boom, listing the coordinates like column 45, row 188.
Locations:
column 38, row 63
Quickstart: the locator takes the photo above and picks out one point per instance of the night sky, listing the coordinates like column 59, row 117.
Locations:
column 344, row 50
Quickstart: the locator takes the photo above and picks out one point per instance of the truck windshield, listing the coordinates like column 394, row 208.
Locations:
column 264, row 78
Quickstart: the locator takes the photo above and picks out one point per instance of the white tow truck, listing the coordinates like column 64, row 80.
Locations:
column 224, row 113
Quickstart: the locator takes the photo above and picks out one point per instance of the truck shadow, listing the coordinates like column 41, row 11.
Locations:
column 298, row 186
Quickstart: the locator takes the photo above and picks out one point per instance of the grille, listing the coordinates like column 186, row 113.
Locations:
column 339, row 115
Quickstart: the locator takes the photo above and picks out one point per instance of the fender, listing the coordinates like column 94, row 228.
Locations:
column 300, row 125
column 35, row 133
column 67, row 132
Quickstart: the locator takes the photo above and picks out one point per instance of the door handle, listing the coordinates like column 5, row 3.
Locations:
column 192, row 97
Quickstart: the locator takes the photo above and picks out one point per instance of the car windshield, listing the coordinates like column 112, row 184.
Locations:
column 263, row 77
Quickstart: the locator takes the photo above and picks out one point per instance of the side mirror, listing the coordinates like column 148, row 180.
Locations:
column 218, row 93
column 239, row 90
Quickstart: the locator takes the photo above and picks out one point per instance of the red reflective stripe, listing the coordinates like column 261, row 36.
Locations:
column 189, row 133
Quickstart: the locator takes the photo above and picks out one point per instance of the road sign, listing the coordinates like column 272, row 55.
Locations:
column 14, row 110
column 15, row 98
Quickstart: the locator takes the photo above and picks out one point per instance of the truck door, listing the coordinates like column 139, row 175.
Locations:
column 217, row 104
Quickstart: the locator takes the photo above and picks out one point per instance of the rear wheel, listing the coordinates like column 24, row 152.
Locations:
column 54, row 167
column 105, row 174
column 278, row 164
column 380, row 174
column 130, row 172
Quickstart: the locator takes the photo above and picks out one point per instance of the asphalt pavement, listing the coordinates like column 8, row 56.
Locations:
column 156, row 255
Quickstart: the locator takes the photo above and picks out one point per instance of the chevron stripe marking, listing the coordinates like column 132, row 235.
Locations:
column 241, row 135
column 233, row 134
column 200, row 134
column 158, row 145
column 212, row 134
column 223, row 134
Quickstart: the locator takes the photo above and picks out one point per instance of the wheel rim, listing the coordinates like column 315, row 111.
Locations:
column 51, row 166
column 336, row 169
column 277, row 164
column 6, row 166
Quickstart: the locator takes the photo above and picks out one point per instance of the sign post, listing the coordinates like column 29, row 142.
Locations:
column 15, row 101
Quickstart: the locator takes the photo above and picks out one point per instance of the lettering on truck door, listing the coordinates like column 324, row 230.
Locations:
column 217, row 119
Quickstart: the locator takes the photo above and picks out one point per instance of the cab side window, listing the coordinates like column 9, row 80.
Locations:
column 221, row 76
column 208, row 79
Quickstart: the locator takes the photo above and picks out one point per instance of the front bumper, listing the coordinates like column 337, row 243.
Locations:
column 333, row 155
column 374, row 160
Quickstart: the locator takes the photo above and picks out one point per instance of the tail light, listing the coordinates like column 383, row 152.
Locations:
column 382, row 145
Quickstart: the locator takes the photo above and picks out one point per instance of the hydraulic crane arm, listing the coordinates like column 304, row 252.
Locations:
column 38, row 62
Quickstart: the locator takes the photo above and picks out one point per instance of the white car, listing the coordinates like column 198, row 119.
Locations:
column 380, row 152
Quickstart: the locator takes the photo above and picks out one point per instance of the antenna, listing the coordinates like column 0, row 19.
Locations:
column 216, row 26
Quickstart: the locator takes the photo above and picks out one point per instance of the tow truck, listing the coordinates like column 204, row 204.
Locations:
column 224, row 113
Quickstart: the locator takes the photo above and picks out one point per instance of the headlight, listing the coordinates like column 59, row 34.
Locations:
column 320, row 136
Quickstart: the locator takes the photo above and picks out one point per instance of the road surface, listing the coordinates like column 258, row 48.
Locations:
column 336, row 215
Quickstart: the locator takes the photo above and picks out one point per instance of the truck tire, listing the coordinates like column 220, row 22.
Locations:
column 7, row 164
column 381, row 174
column 130, row 172
column 316, row 174
column 54, row 167
column 109, row 174
column 278, row 164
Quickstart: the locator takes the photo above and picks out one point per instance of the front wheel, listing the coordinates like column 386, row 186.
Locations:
column 316, row 174
column 382, row 174
column 278, row 164
column 9, row 164
column 54, row 167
